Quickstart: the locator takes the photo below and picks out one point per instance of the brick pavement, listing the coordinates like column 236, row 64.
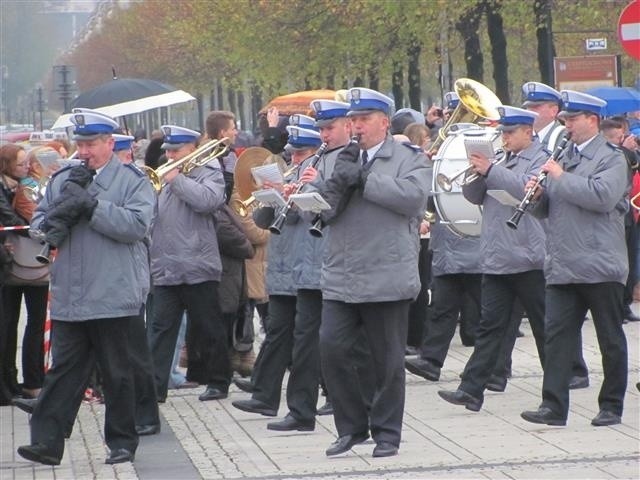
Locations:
column 214, row 440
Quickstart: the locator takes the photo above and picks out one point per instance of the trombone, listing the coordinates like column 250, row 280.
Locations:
column 198, row 158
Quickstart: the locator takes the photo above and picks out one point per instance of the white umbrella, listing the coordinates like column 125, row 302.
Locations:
column 132, row 106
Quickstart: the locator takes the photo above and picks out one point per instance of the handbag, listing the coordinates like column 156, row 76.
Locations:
column 24, row 268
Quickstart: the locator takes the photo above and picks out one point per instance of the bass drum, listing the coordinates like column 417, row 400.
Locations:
column 456, row 212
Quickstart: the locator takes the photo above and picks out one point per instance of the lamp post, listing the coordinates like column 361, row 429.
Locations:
column 40, row 103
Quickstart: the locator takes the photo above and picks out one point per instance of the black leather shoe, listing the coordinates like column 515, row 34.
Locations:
column 255, row 406
column 326, row 409
column 460, row 397
column 289, row 423
column 119, row 455
column 543, row 415
column 38, row 453
column 604, row 418
column 152, row 429
column 25, row 404
column 212, row 393
column 243, row 384
column 344, row 443
column 385, row 449
column 496, row 384
column 423, row 368
column 578, row 382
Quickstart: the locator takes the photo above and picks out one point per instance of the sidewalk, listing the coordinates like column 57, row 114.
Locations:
column 214, row 440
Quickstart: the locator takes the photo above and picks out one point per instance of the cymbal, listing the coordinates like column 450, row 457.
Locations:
column 251, row 157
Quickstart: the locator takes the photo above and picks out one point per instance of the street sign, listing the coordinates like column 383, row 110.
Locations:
column 629, row 29
column 596, row 44
column 582, row 73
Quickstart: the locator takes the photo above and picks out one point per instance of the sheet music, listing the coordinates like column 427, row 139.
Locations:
column 267, row 173
column 504, row 197
column 310, row 202
column 269, row 197
column 481, row 146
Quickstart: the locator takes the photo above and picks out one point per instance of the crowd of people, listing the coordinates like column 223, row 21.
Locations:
column 142, row 278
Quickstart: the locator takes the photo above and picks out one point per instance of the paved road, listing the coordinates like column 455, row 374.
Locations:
column 214, row 440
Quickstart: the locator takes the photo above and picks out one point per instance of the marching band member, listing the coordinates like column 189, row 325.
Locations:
column 186, row 271
column 286, row 317
column 302, row 388
column 586, row 266
column 377, row 191
column 94, row 296
column 512, row 260
column 546, row 102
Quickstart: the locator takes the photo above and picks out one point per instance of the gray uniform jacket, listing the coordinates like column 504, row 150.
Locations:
column 184, row 245
column 585, row 208
column 553, row 136
column 101, row 269
column 503, row 249
column 280, row 252
column 453, row 253
column 372, row 246
column 309, row 249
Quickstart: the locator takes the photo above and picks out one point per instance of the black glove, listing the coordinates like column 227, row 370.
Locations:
column 60, row 218
column 79, row 199
column 350, row 153
column 348, row 174
column 80, row 175
column 348, row 169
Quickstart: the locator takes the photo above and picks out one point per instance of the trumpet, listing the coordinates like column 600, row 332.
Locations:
column 198, row 158
column 526, row 201
column 278, row 223
column 446, row 183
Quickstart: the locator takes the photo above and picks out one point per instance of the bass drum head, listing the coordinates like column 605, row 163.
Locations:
column 461, row 216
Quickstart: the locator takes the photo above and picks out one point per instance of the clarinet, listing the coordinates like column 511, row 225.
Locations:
column 317, row 224
column 526, row 201
column 278, row 223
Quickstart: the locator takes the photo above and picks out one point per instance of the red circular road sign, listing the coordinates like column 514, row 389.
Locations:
column 629, row 29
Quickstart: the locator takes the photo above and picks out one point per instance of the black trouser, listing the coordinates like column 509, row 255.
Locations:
column 446, row 304
column 146, row 403
column 566, row 307
column 74, row 345
column 143, row 379
column 206, row 334
column 503, row 366
column 418, row 308
column 35, row 299
column 385, row 327
column 498, row 295
column 275, row 352
column 302, row 387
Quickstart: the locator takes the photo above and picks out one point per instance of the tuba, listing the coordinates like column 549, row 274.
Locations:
column 477, row 103
column 244, row 181
column 198, row 158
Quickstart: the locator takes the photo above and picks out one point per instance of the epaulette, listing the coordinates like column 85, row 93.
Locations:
column 63, row 169
column 615, row 147
column 412, row 146
column 132, row 166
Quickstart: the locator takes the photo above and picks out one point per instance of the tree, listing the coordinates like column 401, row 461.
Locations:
column 498, row 42
column 468, row 25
